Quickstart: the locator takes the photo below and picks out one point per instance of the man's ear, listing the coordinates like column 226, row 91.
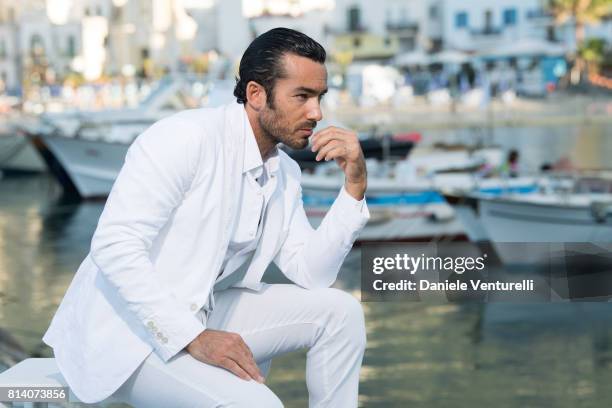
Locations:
column 256, row 95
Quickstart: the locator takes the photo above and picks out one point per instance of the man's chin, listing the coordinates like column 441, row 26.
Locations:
column 298, row 144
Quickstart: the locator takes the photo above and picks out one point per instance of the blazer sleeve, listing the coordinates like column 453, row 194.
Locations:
column 311, row 257
column 158, row 170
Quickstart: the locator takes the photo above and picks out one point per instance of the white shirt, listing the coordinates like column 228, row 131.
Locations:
column 258, row 185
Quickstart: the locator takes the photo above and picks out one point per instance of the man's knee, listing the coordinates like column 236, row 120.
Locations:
column 347, row 315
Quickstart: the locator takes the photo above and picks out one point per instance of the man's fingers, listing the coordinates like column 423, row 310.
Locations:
column 244, row 357
column 337, row 152
column 233, row 367
column 247, row 363
column 324, row 136
column 324, row 140
column 326, row 148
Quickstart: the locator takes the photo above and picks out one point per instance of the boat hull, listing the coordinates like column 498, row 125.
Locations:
column 516, row 221
column 84, row 168
column 18, row 156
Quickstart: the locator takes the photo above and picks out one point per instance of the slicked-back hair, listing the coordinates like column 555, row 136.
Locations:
column 262, row 61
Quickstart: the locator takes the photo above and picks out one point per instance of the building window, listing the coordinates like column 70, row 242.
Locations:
column 510, row 17
column 354, row 19
column 488, row 21
column 71, row 49
column 37, row 47
column 436, row 45
column 433, row 12
column 461, row 19
column 357, row 42
column 2, row 49
column 407, row 43
column 387, row 41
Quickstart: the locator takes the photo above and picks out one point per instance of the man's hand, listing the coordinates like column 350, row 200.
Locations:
column 226, row 350
column 343, row 146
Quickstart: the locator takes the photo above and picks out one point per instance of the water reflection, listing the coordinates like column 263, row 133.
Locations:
column 42, row 240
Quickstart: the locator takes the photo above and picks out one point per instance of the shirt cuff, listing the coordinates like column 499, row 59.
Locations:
column 355, row 213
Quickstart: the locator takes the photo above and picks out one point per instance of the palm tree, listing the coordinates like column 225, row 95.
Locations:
column 581, row 12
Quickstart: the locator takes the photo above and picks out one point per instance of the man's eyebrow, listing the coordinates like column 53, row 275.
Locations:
column 310, row 91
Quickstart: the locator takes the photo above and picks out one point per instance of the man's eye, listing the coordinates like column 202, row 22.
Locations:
column 302, row 97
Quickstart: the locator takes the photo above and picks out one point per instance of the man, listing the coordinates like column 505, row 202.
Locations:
column 168, row 310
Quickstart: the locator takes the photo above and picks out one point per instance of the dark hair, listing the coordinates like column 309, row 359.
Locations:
column 262, row 60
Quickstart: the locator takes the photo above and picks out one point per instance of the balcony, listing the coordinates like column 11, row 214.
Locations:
column 357, row 29
column 538, row 14
column 403, row 26
column 487, row 31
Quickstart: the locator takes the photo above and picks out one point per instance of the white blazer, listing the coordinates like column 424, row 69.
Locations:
column 160, row 242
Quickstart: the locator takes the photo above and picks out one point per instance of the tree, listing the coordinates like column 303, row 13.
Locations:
column 581, row 13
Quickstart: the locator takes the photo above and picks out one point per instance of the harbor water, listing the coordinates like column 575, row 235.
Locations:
column 418, row 354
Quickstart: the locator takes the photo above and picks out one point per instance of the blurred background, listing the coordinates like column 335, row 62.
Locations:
column 481, row 120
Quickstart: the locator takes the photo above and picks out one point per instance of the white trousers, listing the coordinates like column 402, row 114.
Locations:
column 276, row 320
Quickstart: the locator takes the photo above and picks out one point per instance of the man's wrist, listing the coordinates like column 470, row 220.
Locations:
column 355, row 190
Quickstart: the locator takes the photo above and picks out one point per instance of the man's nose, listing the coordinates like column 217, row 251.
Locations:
column 314, row 111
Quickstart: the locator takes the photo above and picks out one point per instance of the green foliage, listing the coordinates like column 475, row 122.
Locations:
column 581, row 11
column 593, row 50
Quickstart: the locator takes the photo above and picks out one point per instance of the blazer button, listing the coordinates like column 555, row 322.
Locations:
column 160, row 335
column 193, row 307
column 164, row 340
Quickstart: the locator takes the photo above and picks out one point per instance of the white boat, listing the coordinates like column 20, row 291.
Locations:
column 85, row 151
column 463, row 197
column 399, row 212
column 516, row 224
column 403, row 199
column 84, row 168
column 543, row 217
column 546, row 208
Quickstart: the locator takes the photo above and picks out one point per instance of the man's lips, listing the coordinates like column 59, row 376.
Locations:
column 307, row 131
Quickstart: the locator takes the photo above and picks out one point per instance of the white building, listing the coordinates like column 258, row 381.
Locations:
column 52, row 38
column 479, row 25
column 156, row 33
column 9, row 69
column 402, row 22
column 239, row 22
